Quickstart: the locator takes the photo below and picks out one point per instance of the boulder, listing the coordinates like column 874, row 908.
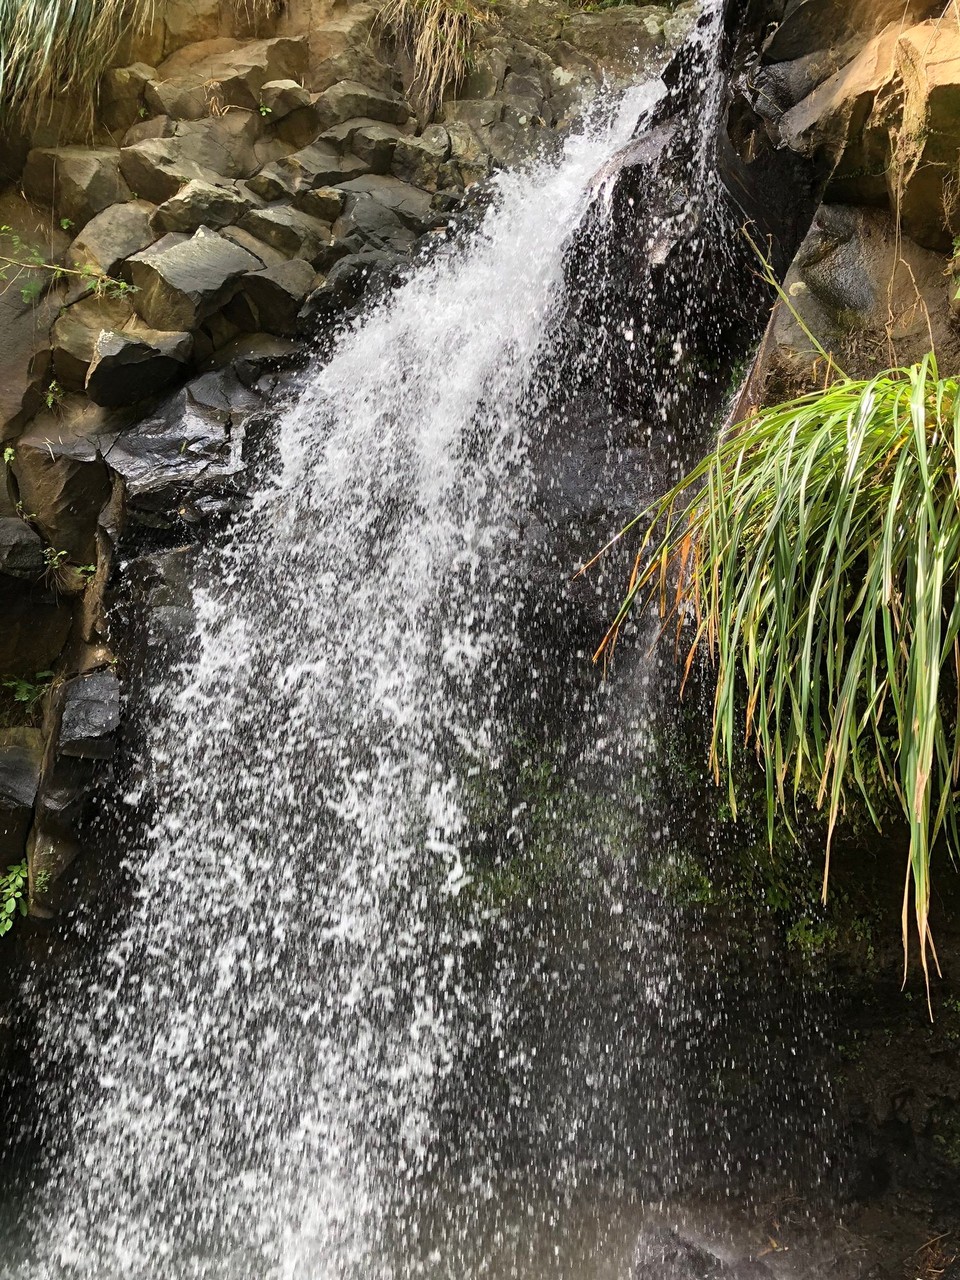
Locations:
column 620, row 38
column 90, row 716
column 289, row 230
column 62, row 482
column 367, row 224
column 122, row 94
column 74, row 335
column 21, row 758
column 239, row 71
column 348, row 280
column 469, row 158
column 277, row 294
column 127, row 367
column 184, row 461
column 292, row 132
column 220, row 147
column 178, row 101
column 183, row 279
column 325, row 203
column 486, row 74
column 375, row 144
column 412, row 206
column 202, row 204
column 188, row 22
column 479, row 114
column 77, row 182
column 36, row 623
column 349, row 99
column 279, row 97
column 145, row 130
column 112, row 236
column 265, row 254
column 21, row 550
column 419, row 160
column 257, row 355
column 318, row 165
column 808, row 26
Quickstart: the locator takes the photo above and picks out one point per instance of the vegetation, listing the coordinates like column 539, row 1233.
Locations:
column 815, row 553
column 438, row 35
column 12, row 895
column 26, row 265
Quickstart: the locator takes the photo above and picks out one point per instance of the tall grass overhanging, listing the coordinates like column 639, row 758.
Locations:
column 438, row 35
column 55, row 48
column 815, row 554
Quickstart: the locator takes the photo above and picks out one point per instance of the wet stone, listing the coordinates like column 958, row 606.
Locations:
column 90, row 716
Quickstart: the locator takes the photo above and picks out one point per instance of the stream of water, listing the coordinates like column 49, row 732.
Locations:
column 391, row 999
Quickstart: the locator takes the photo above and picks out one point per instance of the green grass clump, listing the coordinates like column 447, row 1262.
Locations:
column 438, row 34
column 815, row 554
column 55, row 48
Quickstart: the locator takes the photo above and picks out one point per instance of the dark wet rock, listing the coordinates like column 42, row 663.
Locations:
column 75, row 332
column 36, row 623
column 121, row 95
column 318, row 165
column 289, row 230
column 21, row 550
column 21, row 755
column 90, row 716
column 619, row 38
column 183, row 279
column 112, row 236
column 325, row 203
column 239, row 71
column 184, row 461
column 669, row 1253
column 78, row 182
column 202, row 204
column 375, row 144
column 808, row 26
column 419, row 160
column 255, row 355
column 412, row 206
column 277, row 294
column 62, row 482
column 221, row 146
column 348, row 281
column 367, row 224
column 279, row 97
column 130, row 366
column 349, row 99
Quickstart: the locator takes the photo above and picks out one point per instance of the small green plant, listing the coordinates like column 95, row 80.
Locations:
column 66, row 223
column 12, row 895
column 815, row 554
column 53, row 396
column 265, row 110
column 19, row 260
column 28, row 692
column 9, row 454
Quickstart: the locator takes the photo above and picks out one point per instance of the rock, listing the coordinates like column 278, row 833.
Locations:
column 61, row 479
column 21, row 550
column 810, row 25
column 412, row 206
column 348, row 280
column 78, row 182
column 203, row 149
column 279, row 97
column 349, row 99
column 289, row 230
column 265, row 254
column 36, row 623
column 342, row 33
column 294, row 131
column 486, row 75
column 367, row 224
column 238, row 70
column 179, row 101
column 74, row 335
column 374, row 144
column 188, row 22
column 418, row 160
column 318, row 165
column 158, row 127
column 183, row 279
column 121, row 95
column 478, row 115
column 468, row 155
column 256, row 355
column 112, row 236
column 325, row 203
column 202, row 204
column 21, row 758
column 184, row 461
column 128, row 367
column 90, row 716
column 619, row 38
column 277, row 294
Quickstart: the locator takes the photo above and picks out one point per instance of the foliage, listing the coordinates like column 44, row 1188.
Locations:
column 12, row 895
column 438, row 35
column 815, row 553
column 21, row 261
column 52, row 48
column 28, row 692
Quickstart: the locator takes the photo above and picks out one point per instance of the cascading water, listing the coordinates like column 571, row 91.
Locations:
column 330, row 1040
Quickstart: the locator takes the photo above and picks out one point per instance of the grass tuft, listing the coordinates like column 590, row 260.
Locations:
column 815, row 554
column 438, row 35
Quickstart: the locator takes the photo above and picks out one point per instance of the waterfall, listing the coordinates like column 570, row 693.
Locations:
column 391, row 999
